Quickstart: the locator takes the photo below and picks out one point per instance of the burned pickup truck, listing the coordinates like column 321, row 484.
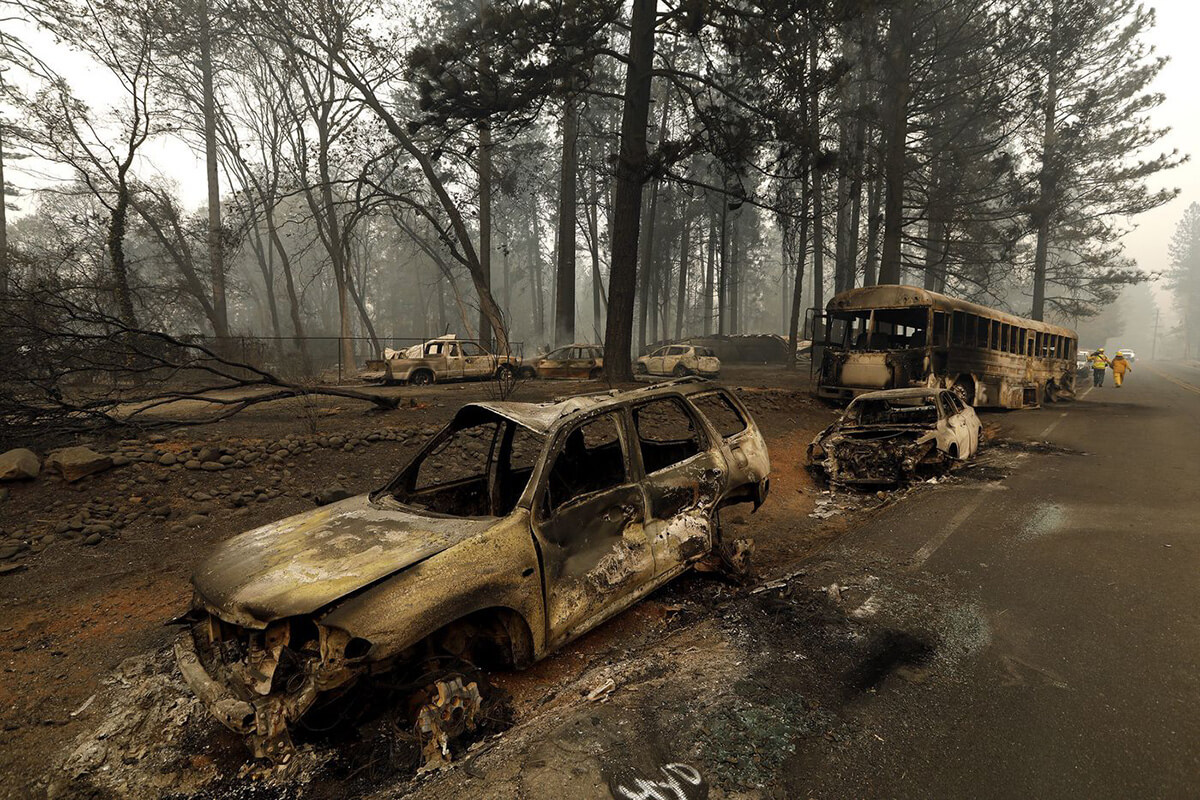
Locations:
column 516, row 529
column 441, row 360
column 894, row 436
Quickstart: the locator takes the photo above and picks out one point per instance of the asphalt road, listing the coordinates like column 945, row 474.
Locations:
column 1077, row 580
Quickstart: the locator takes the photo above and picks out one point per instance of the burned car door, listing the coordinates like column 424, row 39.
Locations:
column 654, row 364
column 731, row 424
column 449, row 353
column 580, row 363
column 477, row 362
column 685, row 476
column 589, row 523
column 552, row 365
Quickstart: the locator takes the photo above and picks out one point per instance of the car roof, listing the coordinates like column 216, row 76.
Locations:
column 545, row 417
column 900, row 394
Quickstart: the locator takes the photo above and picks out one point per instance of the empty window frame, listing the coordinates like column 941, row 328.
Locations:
column 667, row 434
column 720, row 411
column 591, row 460
column 958, row 328
column 940, row 338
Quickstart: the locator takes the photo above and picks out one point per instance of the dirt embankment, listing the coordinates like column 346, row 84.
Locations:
column 76, row 611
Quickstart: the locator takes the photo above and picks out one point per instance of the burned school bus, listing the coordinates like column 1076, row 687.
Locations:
column 517, row 528
column 894, row 337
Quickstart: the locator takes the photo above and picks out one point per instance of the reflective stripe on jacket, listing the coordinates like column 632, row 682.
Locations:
column 1099, row 361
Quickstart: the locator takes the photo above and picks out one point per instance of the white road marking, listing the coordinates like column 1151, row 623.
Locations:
column 954, row 524
column 1054, row 424
column 1176, row 381
column 970, row 508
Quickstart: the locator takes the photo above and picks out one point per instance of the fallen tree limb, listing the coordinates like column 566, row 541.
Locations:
column 67, row 365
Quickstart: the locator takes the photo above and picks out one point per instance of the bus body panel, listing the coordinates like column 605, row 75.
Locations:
column 886, row 337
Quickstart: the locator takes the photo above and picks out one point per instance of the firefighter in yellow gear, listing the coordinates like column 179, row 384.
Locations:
column 1119, row 367
column 1100, row 363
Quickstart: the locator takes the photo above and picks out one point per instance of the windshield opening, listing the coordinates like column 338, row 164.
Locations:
column 920, row 410
column 478, row 467
column 895, row 329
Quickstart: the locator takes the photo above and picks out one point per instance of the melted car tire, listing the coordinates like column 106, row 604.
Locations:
column 680, row 371
column 421, row 378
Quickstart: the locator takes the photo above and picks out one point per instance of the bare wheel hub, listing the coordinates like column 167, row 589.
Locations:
column 451, row 711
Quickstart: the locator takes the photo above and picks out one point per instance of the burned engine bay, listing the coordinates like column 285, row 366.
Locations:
column 896, row 436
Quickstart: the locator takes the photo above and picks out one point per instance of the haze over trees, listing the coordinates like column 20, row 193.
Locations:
column 1183, row 277
column 576, row 170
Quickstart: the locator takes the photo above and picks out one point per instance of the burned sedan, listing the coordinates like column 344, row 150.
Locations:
column 897, row 435
column 517, row 528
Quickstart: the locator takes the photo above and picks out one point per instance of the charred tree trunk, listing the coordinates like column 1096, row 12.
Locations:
column 564, row 307
column 539, row 289
column 871, row 264
column 734, row 277
column 723, row 272
column 630, row 176
column 709, row 275
column 895, row 140
column 485, row 227
column 593, row 219
column 645, row 279
column 800, row 248
column 117, row 224
column 357, row 297
column 294, row 310
column 4, row 265
column 264, row 256
column 216, row 244
column 818, row 189
column 682, row 286
column 785, row 233
column 1047, row 186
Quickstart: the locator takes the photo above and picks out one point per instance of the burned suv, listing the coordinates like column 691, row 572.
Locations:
column 516, row 529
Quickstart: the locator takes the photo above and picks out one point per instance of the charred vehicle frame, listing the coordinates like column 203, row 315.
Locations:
column 889, row 437
column 581, row 508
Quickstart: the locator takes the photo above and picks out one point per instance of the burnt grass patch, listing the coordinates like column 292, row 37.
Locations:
column 885, row 652
column 814, row 660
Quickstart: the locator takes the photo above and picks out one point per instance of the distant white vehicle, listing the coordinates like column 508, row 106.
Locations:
column 679, row 360
column 1129, row 354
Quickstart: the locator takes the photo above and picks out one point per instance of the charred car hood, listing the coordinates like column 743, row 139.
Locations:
column 300, row 564
column 916, row 433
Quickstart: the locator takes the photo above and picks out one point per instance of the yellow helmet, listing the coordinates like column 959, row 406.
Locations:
column 1101, row 350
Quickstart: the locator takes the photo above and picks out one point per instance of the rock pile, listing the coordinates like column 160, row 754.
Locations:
column 138, row 490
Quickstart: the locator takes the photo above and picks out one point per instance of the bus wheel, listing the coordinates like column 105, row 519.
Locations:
column 1050, row 392
column 965, row 388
